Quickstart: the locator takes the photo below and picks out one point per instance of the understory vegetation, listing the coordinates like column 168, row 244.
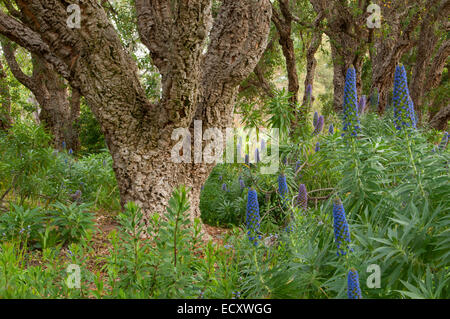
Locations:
column 393, row 186
column 339, row 185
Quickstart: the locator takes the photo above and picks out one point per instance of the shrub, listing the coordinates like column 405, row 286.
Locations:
column 74, row 222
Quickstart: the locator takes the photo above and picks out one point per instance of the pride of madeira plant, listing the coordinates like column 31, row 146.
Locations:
column 283, row 189
column 302, row 198
column 404, row 115
column 341, row 230
column 252, row 217
column 350, row 107
column 354, row 290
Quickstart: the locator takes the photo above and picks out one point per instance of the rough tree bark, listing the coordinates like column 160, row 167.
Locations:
column 283, row 23
column 311, row 61
column 388, row 49
column 440, row 120
column 431, row 54
column 349, row 37
column 194, row 84
column 438, row 102
column 51, row 93
column 257, row 79
column 5, row 100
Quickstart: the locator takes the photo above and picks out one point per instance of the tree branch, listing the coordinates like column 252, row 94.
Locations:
column 237, row 41
column 9, row 53
column 30, row 40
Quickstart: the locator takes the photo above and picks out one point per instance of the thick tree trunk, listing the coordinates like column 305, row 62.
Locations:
column 194, row 84
column 425, row 48
column 440, row 120
column 383, row 69
column 431, row 55
column 388, row 49
column 73, row 134
column 5, row 100
column 262, row 81
column 257, row 79
column 341, row 63
column 148, row 176
column 51, row 93
column 283, row 23
column 52, row 98
column 311, row 61
column 287, row 46
column 348, row 36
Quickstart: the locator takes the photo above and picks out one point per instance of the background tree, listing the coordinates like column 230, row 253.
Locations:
column 58, row 113
column 282, row 18
column 5, row 100
column 391, row 42
column 194, row 84
column 311, row 61
column 345, row 25
column 431, row 53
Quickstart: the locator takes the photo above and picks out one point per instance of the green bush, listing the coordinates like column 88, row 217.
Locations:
column 32, row 170
column 73, row 221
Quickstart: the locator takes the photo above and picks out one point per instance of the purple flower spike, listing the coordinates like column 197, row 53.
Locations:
column 302, row 198
column 319, row 127
column 362, row 105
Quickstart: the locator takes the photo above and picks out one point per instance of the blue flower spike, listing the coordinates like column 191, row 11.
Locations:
column 350, row 107
column 283, row 189
column 340, row 225
column 404, row 115
column 252, row 218
column 353, row 288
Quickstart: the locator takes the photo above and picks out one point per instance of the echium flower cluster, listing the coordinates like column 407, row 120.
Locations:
column 350, row 107
column 263, row 145
column 308, row 94
column 412, row 113
column 298, row 164
column 317, row 147
column 283, row 188
column 353, row 288
column 257, row 159
column 315, row 119
column 341, row 230
column 444, row 142
column 241, row 182
column 224, row 187
column 319, row 125
column 404, row 115
column 331, row 129
column 302, row 198
column 252, row 217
